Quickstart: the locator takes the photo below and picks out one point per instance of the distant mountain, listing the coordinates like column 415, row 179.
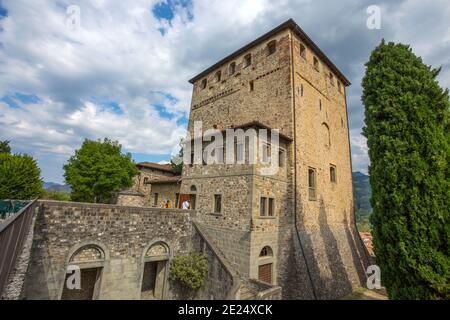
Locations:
column 363, row 192
column 52, row 186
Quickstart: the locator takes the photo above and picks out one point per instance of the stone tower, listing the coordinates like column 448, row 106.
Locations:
column 294, row 229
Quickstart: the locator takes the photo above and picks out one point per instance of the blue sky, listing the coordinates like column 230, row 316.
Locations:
column 123, row 71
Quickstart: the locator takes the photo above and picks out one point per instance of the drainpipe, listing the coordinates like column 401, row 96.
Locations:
column 295, row 167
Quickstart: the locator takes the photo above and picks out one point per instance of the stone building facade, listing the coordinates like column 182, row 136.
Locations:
column 153, row 186
column 291, row 234
column 307, row 243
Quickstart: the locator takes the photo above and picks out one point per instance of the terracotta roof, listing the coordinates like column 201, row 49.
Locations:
column 157, row 166
column 164, row 180
column 289, row 24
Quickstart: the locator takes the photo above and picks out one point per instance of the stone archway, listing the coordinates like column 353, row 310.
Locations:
column 155, row 270
column 83, row 273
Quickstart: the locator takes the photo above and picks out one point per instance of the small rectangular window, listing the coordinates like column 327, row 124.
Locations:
column 217, row 203
column 312, row 183
column 192, row 160
column 333, row 177
column 232, row 68
column 247, row 60
column 155, row 199
column 218, row 76
column 203, row 84
column 251, row 86
column 262, row 206
column 240, row 153
column 271, row 207
column 281, row 158
column 303, row 51
column 271, row 47
column 265, row 153
column 316, row 64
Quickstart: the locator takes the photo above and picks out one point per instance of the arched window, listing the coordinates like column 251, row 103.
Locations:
column 232, row 68
column 158, row 249
column 266, row 252
column 271, row 47
column 218, row 76
column 89, row 261
column 193, row 188
column 247, row 60
column 88, row 253
column 331, row 79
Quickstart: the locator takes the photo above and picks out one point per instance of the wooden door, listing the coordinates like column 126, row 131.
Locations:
column 265, row 273
column 183, row 198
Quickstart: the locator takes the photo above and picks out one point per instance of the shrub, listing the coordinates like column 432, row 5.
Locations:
column 190, row 270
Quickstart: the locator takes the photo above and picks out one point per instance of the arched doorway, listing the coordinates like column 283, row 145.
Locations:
column 83, row 273
column 155, row 271
column 265, row 265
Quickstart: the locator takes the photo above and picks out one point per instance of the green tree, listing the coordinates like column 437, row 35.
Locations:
column 20, row 177
column 4, row 146
column 56, row 195
column 190, row 270
column 97, row 170
column 407, row 130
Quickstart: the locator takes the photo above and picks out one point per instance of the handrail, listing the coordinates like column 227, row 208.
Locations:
column 13, row 232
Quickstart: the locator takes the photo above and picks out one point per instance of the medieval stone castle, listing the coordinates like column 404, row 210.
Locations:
column 291, row 235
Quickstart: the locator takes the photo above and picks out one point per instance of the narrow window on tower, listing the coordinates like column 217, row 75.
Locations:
column 251, row 86
column 331, row 79
column 240, row 153
column 312, row 183
column 217, row 203
column 203, row 84
column 316, row 64
column 333, row 177
column 247, row 60
column 262, row 206
column 271, row 207
column 232, row 68
column 271, row 47
column 281, row 158
column 218, row 76
column 302, row 51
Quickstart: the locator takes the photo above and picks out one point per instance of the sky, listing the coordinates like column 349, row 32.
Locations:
column 71, row 70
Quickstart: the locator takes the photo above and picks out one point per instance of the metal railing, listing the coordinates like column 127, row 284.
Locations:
column 13, row 232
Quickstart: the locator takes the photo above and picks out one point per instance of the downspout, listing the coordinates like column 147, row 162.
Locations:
column 368, row 257
column 295, row 166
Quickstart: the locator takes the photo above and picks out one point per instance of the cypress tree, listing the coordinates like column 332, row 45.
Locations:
column 407, row 130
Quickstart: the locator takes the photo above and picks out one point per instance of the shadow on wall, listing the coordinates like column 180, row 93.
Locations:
column 325, row 258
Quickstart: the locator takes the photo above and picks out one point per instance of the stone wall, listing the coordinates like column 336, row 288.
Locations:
column 123, row 233
column 117, row 240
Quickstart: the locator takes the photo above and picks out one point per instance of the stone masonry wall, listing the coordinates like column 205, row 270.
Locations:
column 124, row 234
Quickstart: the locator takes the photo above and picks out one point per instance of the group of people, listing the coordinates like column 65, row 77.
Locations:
column 185, row 205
